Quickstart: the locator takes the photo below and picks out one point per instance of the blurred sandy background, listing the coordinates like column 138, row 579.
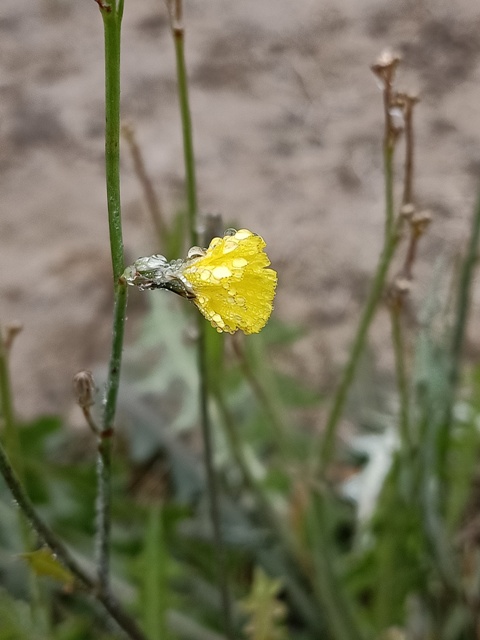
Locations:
column 287, row 123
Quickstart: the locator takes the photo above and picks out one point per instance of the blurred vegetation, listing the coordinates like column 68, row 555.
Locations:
column 388, row 545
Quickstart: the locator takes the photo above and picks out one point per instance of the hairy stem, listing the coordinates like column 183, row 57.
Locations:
column 112, row 19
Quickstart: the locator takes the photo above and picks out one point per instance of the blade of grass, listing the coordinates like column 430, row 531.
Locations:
column 156, row 588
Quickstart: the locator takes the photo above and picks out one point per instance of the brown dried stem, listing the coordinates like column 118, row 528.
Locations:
column 151, row 198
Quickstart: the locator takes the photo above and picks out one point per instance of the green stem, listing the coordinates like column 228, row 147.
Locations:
column 260, row 379
column 458, row 339
column 206, row 427
column 389, row 246
column 13, row 449
column 376, row 290
column 401, row 374
column 463, row 302
column 11, row 440
column 112, row 23
column 188, row 152
column 191, row 192
column 57, row 547
column 112, row 20
column 294, row 584
column 267, row 512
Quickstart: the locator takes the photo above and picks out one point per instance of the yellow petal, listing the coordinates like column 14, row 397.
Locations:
column 233, row 288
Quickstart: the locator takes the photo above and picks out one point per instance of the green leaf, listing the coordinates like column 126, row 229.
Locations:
column 266, row 612
column 44, row 564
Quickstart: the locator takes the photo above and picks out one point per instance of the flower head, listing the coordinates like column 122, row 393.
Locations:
column 229, row 282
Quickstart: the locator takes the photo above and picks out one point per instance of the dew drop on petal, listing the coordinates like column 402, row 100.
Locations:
column 221, row 272
column 238, row 263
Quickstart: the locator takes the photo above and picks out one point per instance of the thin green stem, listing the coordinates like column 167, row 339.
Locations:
column 338, row 404
column 463, row 306
column 14, row 451
column 267, row 512
column 188, row 152
column 11, row 440
column 58, row 548
column 112, row 20
column 294, row 583
column 260, row 380
column 112, row 29
column 178, row 32
column 385, row 70
column 206, row 427
column 463, row 301
column 401, row 374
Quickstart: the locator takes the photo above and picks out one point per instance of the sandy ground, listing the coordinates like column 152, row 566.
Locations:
column 288, row 126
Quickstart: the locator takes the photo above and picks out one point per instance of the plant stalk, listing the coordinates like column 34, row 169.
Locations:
column 11, row 440
column 178, row 32
column 112, row 19
column 376, row 290
column 206, row 427
column 401, row 375
column 385, row 70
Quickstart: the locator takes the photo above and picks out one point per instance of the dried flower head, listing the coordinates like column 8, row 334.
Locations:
column 386, row 65
column 229, row 282
column 84, row 388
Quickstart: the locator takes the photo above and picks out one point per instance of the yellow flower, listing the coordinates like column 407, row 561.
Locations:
column 229, row 282
column 232, row 286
